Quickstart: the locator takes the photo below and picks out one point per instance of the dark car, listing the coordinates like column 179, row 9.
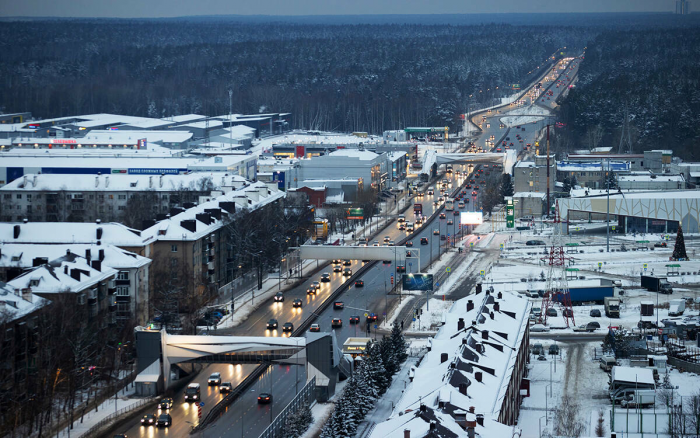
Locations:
column 423, row 240
column 272, row 324
column 442, row 215
column 288, row 327
column 165, row 420
column 337, row 268
column 148, row 420
column 347, row 263
column 443, row 237
column 225, row 387
column 336, row 322
column 311, row 291
column 338, row 305
column 551, row 312
column 354, row 319
column 279, row 297
column 325, row 277
column 568, row 313
column 450, row 222
column 534, row 242
column 400, row 268
column 264, row 398
column 297, row 302
column 454, row 213
column 594, row 313
column 408, row 244
column 165, row 403
column 372, row 317
column 347, row 272
column 359, row 283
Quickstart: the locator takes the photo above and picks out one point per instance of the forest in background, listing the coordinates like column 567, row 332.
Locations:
column 334, row 77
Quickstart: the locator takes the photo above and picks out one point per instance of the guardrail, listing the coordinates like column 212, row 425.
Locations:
column 93, row 431
column 305, row 396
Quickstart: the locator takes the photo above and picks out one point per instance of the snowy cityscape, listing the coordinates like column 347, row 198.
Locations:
column 337, row 222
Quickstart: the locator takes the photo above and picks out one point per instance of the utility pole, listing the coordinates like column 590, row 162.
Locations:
column 548, row 205
column 607, row 214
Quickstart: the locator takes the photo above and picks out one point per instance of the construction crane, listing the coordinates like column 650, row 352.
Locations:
column 557, row 289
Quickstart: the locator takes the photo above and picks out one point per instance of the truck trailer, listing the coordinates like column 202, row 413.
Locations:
column 656, row 284
column 612, row 307
column 591, row 294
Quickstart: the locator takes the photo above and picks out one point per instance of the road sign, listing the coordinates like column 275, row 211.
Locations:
column 600, row 264
column 384, row 313
column 201, row 404
column 375, row 326
column 448, row 269
column 613, row 227
column 437, row 283
column 501, row 246
column 410, row 264
column 478, row 237
column 365, row 314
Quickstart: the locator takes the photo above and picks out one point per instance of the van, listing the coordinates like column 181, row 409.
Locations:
column 409, row 227
column 402, row 218
column 607, row 362
column 192, row 393
column 639, row 398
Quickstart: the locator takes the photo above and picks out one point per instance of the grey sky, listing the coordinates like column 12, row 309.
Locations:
column 174, row 8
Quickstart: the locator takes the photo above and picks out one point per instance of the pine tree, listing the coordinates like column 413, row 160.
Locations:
column 388, row 357
column 375, row 368
column 399, row 344
column 297, row 423
column 506, row 187
column 679, row 249
column 367, row 393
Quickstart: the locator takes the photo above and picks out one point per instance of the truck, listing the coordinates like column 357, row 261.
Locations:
column 612, row 307
column 639, row 398
column 656, row 284
column 417, row 209
column 590, row 294
column 676, row 307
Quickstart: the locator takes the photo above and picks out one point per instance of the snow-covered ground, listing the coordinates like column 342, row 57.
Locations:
column 515, row 117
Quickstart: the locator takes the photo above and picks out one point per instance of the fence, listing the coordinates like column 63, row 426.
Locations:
column 94, row 430
column 305, row 397
column 679, row 414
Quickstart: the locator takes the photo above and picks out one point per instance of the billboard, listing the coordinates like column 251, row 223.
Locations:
column 471, row 218
column 422, row 282
column 355, row 213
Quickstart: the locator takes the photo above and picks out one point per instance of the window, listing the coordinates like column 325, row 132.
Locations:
column 173, row 248
column 6, row 196
column 92, row 197
column 101, row 197
column 111, row 196
column 81, row 299
column 29, row 198
column 122, row 207
column 34, row 282
column 19, row 196
column 123, row 291
column 123, row 275
column 122, row 197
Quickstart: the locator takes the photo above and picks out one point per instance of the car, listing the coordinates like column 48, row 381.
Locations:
column 419, row 194
column 450, row 221
column 402, row 226
column 272, row 324
column 347, row 262
column 473, row 193
column 354, row 319
column 121, row 435
column 316, row 285
column 359, row 283
column 392, row 243
column 442, row 215
column 165, row 403
column 454, row 213
column 660, row 245
column 372, row 317
column 408, row 244
column 336, row 261
column 214, row 379
column 436, row 232
column 552, row 312
column 325, row 277
column 375, row 243
column 423, row 240
column 466, row 201
column 338, row 305
column 165, row 420
column 400, row 268
column 441, row 199
column 336, row 322
column 148, row 420
column 590, row 327
column 288, row 327
column 225, row 387
column 347, row 272
column 534, row 243
column 539, row 328
column 386, row 262
column 553, row 349
column 264, row 398
column 337, row 268
column 594, row 313
column 315, row 328
column 387, row 239
column 568, row 313
column 311, row 291
column 279, row 297
column 431, row 192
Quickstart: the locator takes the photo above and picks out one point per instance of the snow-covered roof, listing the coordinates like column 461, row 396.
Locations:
column 14, row 304
column 590, row 166
column 101, row 161
column 130, row 136
column 239, row 131
column 211, row 124
column 184, row 118
column 633, row 374
column 223, row 161
column 22, row 255
column 354, row 153
column 111, row 233
column 485, row 345
column 525, row 164
column 251, row 197
column 69, row 273
column 646, row 177
column 110, row 119
column 529, row 195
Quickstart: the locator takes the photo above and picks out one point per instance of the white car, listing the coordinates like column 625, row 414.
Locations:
column 539, row 328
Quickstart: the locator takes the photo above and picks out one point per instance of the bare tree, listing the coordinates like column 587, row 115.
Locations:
column 595, row 135
column 567, row 419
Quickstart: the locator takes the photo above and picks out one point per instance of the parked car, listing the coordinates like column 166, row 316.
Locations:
column 539, row 328
column 594, row 313
column 552, row 312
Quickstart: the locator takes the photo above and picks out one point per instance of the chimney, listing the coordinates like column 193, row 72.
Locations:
column 496, row 306
column 189, row 224
column 500, row 295
column 433, row 425
column 68, row 252
column 228, row 206
column 470, row 305
column 480, row 419
column 214, row 212
column 478, row 376
column 471, row 425
column 423, row 408
column 97, row 265
column 443, row 357
column 27, row 294
column 87, row 255
column 460, row 324
column 75, row 274
column 16, row 230
column 101, row 254
column 407, row 433
column 205, row 218
column 485, row 334
column 460, row 417
column 478, row 288
column 474, row 322
column 65, row 269
column 463, row 388
column 25, row 220
column 472, row 409
column 98, row 233
column 491, row 315
column 464, row 341
column 38, row 261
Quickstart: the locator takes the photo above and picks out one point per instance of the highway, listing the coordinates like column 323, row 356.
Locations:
column 246, row 418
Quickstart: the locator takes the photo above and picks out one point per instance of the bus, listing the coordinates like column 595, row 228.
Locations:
column 417, row 209
column 449, row 204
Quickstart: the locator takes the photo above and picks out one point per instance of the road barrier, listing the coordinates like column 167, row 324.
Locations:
column 305, row 397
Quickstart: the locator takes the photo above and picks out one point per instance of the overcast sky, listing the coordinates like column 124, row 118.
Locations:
column 175, row 8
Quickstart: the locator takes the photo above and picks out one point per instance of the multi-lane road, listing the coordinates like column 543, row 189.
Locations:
column 247, row 418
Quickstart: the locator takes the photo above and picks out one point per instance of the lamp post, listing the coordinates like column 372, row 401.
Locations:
column 607, row 214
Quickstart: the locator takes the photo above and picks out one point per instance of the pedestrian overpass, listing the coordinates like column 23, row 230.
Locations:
column 397, row 254
column 434, row 158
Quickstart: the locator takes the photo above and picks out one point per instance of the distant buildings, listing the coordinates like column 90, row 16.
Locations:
column 682, row 7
